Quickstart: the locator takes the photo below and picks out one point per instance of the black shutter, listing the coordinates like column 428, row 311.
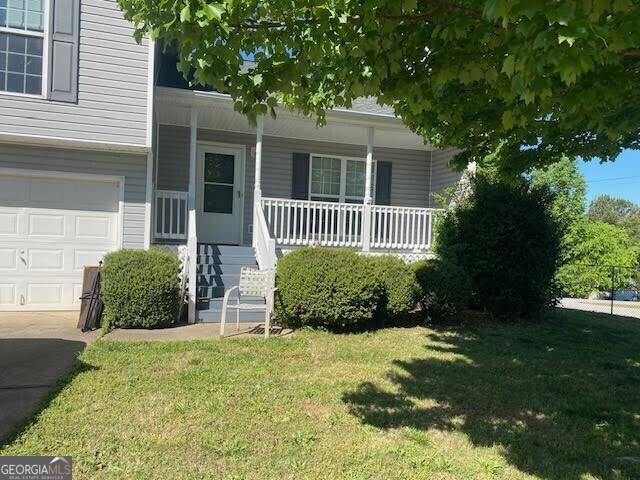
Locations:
column 300, row 177
column 383, row 183
column 64, row 48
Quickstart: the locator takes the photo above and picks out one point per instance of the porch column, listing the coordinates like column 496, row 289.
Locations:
column 368, row 196
column 257, row 185
column 193, row 237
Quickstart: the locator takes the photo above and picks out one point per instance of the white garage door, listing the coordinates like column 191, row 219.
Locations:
column 50, row 227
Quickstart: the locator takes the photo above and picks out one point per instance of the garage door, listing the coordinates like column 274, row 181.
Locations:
column 50, row 227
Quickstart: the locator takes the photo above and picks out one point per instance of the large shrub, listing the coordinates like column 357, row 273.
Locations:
column 140, row 288
column 400, row 288
column 444, row 286
column 507, row 241
column 325, row 287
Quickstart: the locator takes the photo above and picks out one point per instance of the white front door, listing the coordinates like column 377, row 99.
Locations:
column 219, row 194
column 50, row 228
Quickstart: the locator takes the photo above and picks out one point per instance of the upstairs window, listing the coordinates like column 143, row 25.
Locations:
column 22, row 35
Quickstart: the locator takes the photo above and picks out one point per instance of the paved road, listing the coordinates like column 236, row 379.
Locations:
column 625, row 309
column 36, row 349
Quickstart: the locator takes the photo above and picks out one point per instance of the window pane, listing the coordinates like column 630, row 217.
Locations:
column 218, row 168
column 218, row 198
column 22, row 14
column 356, row 177
column 325, row 175
column 21, row 64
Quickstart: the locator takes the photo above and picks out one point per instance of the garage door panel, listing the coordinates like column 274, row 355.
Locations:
column 8, row 259
column 8, row 295
column 50, row 259
column 94, row 227
column 45, row 294
column 49, row 234
column 8, row 223
column 46, row 225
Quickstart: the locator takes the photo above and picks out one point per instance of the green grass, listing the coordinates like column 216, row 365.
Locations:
column 555, row 400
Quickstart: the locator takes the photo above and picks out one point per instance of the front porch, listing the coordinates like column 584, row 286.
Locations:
column 364, row 182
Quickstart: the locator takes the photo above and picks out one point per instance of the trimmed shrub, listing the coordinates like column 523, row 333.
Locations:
column 508, row 242
column 401, row 290
column 140, row 289
column 325, row 287
column 445, row 288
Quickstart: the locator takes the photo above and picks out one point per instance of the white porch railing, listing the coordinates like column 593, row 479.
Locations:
column 404, row 228
column 171, row 213
column 303, row 222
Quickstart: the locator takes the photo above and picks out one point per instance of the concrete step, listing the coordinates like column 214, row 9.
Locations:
column 248, row 260
column 233, row 250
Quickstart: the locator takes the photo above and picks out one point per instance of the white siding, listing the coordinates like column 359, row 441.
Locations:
column 112, row 88
column 441, row 174
column 132, row 167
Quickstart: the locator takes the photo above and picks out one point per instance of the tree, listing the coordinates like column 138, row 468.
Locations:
column 537, row 79
column 569, row 187
column 617, row 211
column 596, row 247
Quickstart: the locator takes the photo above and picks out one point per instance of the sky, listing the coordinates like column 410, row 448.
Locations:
column 618, row 179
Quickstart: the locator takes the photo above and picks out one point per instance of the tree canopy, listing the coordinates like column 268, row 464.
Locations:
column 536, row 78
column 617, row 211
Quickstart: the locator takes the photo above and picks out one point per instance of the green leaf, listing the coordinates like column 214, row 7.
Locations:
column 185, row 14
column 257, row 79
column 213, row 11
column 564, row 38
column 508, row 120
column 509, row 65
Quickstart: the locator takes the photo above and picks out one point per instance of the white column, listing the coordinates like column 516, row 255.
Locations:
column 148, row 210
column 193, row 237
column 368, row 195
column 257, row 183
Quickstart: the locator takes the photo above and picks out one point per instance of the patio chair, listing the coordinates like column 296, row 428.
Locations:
column 253, row 283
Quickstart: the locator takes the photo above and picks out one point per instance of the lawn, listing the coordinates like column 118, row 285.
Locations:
column 555, row 400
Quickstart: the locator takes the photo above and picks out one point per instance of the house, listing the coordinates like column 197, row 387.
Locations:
column 102, row 147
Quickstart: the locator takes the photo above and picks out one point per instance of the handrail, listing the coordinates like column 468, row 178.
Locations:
column 264, row 244
column 170, row 220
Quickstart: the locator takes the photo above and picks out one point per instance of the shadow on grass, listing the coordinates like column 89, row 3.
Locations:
column 34, row 372
column 562, row 398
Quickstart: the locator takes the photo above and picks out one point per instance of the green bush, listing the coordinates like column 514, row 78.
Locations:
column 507, row 241
column 401, row 290
column 445, row 288
column 326, row 287
column 140, row 289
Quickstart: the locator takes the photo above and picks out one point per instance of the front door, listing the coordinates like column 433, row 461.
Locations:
column 220, row 177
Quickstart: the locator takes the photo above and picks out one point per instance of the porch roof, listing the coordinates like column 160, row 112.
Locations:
column 215, row 111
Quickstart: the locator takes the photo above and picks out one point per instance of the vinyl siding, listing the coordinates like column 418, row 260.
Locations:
column 411, row 171
column 112, row 87
column 132, row 167
column 441, row 175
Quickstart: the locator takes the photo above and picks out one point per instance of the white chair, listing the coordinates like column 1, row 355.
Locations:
column 253, row 283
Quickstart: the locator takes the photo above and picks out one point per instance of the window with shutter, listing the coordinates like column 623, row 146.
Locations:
column 22, row 37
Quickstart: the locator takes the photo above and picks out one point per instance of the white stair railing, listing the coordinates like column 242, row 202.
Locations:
column 171, row 213
column 265, row 245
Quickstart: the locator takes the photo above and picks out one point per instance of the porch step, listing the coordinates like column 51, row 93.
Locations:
column 213, row 312
column 218, row 269
column 226, row 259
column 223, row 250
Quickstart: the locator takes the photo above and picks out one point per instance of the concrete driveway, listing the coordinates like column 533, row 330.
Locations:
column 36, row 349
